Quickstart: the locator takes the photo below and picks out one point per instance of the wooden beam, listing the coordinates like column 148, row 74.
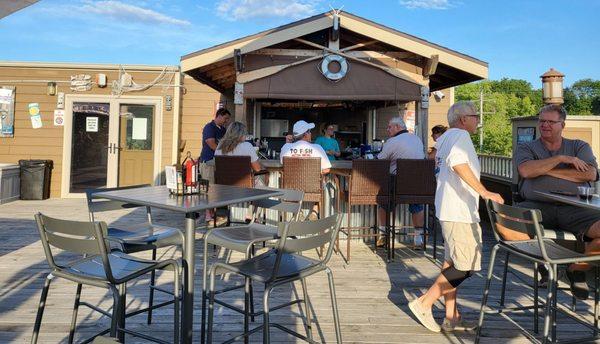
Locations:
column 431, row 65
column 203, row 79
column 393, row 71
column 217, row 71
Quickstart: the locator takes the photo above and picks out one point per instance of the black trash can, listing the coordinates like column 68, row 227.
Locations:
column 35, row 179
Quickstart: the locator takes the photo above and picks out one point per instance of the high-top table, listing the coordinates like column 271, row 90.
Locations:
column 192, row 206
column 593, row 203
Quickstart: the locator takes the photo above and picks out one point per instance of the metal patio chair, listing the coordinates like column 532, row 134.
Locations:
column 284, row 265
column 540, row 250
column 244, row 238
column 137, row 237
column 98, row 267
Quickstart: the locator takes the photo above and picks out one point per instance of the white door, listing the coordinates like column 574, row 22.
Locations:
column 104, row 136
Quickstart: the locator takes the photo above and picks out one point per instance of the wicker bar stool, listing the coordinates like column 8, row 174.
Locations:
column 369, row 185
column 415, row 184
column 304, row 174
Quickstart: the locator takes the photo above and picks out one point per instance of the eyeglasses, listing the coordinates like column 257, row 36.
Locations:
column 548, row 122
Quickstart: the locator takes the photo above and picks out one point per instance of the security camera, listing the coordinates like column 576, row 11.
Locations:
column 439, row 95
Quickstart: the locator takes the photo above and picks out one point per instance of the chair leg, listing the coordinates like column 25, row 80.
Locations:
column 555, row 293
column 504, row 274
column 41, row 306
column 336, row 315
column 247, row 293
column 549, row 300
column 307, row 309
column 151, row 297
column 211, row 308
column 349, row 237
column 122, row 307
column 204, row 284
column 266, row 335
column 486, row 292
column 535, row 298
column 596, row 298
column 176, row 305
column 74, row 316
column 115, row 313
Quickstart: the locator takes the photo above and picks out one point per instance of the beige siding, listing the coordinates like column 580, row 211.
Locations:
column 47, row 142
column 198, row 107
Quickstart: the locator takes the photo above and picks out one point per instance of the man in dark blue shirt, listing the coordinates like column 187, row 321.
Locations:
column 211, row 134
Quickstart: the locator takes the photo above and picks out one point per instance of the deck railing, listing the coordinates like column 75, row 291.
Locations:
column 496, row 166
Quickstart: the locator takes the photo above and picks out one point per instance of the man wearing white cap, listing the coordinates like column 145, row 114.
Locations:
column 302, row 146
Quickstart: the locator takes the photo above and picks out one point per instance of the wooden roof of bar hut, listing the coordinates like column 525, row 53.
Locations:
column 286, row 62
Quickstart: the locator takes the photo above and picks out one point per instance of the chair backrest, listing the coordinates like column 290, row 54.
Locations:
column 302, row 174
column 290, row 202
column 82, row 238
column 297, row 237
column 528, row 222
column 98, row 205
column 370, row 178
column 415, row 177
column 233, row 170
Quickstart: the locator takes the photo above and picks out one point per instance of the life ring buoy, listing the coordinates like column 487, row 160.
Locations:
column 328, row 73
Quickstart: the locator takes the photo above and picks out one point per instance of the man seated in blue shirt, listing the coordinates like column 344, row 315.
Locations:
column 329, row 144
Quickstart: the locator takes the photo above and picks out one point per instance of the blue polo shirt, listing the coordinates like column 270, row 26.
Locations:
column 328, row 143
column 210, row 131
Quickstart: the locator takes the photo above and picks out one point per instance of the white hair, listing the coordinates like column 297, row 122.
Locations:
column 459, row 110
column 399, row 122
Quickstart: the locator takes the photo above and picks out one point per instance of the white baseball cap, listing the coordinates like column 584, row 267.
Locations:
column 302, row 127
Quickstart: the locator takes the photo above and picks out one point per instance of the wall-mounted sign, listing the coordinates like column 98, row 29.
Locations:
column 34, row 114
column 91, row 124
column 238, row 94
column 526, row 134
column 7, row 111
column 59, row 117
column 140, row 129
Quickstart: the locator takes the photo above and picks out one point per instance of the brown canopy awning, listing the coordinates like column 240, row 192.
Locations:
column 305, row 81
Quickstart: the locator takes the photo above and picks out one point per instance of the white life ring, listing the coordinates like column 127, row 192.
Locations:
column 331, row 75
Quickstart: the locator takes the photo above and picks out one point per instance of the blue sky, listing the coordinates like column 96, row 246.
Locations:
column 518, row 38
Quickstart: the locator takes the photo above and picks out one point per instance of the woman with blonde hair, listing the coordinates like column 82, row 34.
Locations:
column 234, row 143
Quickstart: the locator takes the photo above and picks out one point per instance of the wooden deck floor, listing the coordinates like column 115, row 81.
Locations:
column 372, row 295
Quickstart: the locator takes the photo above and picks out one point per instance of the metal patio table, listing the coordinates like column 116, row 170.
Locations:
column 593, row 203
column 192, row 206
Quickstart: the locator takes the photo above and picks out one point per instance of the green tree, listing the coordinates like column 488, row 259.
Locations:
column 580, row 97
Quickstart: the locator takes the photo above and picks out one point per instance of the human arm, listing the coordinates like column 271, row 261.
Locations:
column 574, row 175
column 336, row 150
column 431, row 154
column 536, row 168
column 466, row 174
column 212, row 143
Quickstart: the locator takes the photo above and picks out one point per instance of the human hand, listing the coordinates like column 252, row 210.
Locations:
column 493, row 196
column 577, row 163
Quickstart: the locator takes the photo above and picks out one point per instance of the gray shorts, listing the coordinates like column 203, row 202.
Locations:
column 207, row 172
column 564, row 217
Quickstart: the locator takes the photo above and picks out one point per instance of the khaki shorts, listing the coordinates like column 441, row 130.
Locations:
column 207, row 172
column 462, row 245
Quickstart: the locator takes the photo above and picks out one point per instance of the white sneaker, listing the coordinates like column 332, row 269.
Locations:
column 425, row 317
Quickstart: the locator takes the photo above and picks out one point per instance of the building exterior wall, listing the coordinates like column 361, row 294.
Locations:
column 30, row 82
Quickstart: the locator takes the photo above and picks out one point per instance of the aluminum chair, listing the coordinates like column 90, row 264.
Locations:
column 540, row 250
column 138, row 237
column 244, row 238
column 99, row 267
column 284, row 265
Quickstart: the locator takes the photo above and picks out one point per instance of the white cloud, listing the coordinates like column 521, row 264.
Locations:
column 248, row 9
column 427, row 4
column 122, row 11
